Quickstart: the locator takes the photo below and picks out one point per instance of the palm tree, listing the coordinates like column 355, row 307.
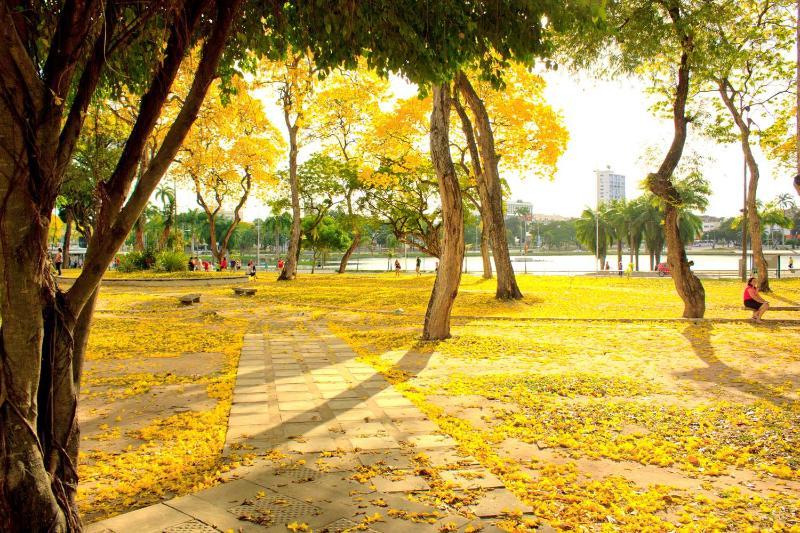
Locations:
column 592, row 225
column 619, row 225
column 167, row 198
column 634, row 228
column 651, row 221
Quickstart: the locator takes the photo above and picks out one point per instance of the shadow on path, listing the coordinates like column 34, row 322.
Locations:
column 411, row 364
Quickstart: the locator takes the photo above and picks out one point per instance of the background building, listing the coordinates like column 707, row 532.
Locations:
column 610, row 186
column 519, row 207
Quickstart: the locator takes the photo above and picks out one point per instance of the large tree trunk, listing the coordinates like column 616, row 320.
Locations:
column 349, row 252
column 445, row 288
column 492, row 195
column 727, row 93
column 289, row 271
column 660, row 183
column 138, row 243
column 39, row 378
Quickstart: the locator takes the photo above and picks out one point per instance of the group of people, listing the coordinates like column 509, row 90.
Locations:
column 398, row 268
column 195, row 264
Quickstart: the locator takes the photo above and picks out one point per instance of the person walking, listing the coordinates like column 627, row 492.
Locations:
column 251, row 269
column 419, row 264
column 754, row 301
column 59, row 260
column 619, row 268
column 791, row 265
column 396, row 268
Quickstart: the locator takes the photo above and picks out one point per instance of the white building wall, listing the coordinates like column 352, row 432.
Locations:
column 610, row 186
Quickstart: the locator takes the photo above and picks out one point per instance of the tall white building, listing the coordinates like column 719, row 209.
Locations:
column 610, row 186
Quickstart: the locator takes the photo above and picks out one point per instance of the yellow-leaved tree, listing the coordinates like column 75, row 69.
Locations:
column 511, row 130
column 399, row 182
column 293, row 79
column 344, row 105
column 230, row 153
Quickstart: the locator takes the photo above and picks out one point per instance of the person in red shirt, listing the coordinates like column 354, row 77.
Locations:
column 280, row 263
column 754, row 301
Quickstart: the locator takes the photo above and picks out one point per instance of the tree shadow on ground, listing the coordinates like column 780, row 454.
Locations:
column 699, row 336
column 784, row 299
column 409, row 365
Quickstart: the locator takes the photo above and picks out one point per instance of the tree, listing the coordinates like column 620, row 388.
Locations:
column 167, row 198
column 343, row 107
column 233, row 153
column 51, row 67
column 595, row 231
column 293, row 80
column 668, row 40
column 54, row 63
column 514, row 125
column 323, row 236
column 752, row 74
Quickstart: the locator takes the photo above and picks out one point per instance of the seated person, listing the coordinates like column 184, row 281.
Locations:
column 754, row 301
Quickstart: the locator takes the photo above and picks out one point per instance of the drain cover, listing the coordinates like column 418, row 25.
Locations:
column 277, row 510
column 343, row 524
column 190, row 526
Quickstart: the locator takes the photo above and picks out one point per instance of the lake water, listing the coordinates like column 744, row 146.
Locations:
column 556, row 264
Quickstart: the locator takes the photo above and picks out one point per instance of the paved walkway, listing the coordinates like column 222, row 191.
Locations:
column 345, row 452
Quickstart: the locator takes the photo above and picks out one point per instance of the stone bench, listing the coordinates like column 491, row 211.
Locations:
column 189, row 299
column 244, row 291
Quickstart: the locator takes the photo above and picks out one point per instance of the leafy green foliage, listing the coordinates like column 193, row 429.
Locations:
column 169, row 261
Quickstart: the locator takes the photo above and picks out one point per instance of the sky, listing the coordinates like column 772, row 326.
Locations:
column 610, row 125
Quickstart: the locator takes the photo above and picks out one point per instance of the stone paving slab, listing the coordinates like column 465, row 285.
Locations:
column 324, row 420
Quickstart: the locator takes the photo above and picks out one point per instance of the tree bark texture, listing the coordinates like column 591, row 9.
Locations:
column 492, row 193
column 67, row 235
column 487, row 261
column 289, row 271
column 445, row 288
column 44, row 330
column 727, row 93
column 796, row 181
column 687, row 285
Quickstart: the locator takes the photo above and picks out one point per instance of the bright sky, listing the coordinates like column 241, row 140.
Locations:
column 610, row 124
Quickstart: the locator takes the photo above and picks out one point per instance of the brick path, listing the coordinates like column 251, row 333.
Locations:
column 300, row 390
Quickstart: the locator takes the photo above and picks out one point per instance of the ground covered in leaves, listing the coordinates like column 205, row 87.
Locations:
column 586, row 403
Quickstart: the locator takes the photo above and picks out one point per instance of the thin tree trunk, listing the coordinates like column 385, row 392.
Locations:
column 507, row 288
column 797, row 104
column 487, row 261
column 289, row 271
column 445, row 288
column 349, row 252
column 67, row 236
column 687, row 285
column 727, row 93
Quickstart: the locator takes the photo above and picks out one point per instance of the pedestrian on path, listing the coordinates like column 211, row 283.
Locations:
column 419, row 264
column 59, row 259
column 396, row 268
